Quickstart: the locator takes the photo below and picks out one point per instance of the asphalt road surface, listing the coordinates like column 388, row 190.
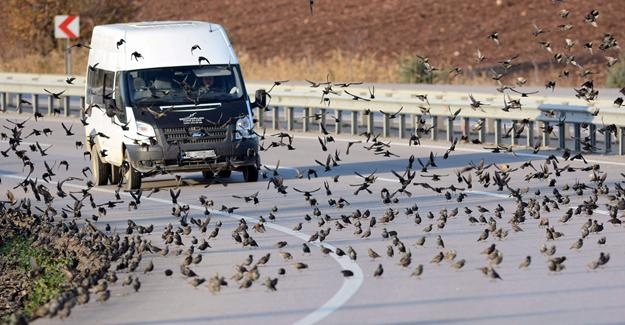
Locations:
column 441, row 294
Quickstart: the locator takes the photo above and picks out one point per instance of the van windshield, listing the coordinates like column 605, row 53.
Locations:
column 184, row 85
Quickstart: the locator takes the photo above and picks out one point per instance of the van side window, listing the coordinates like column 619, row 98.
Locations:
column 121, row 114
column 96, row 80
column 109, row 80
column 94, row 86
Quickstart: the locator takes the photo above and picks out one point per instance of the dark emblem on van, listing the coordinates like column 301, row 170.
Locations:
column 192, row 119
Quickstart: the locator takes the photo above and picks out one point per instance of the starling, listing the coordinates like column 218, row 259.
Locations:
column 373, row 254
column 378, row 271
column 347, row 273
column 526, row 262
column 418, row 270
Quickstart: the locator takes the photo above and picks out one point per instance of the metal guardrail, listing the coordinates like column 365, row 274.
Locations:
column 302, row 106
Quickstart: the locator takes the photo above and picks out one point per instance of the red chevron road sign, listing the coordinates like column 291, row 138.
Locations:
column 66, row 26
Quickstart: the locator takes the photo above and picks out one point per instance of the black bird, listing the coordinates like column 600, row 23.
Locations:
column 392, row 115
column 68, row 132
column 136, row 55
column 356, row 97
column 195, row 47
column 200, row 59
column 55, row 95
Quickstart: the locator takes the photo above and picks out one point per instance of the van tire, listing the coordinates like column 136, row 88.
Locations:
column 116, row 174
column 131, row 175
column 99, row 170
column 224, row 173
column 250, row 174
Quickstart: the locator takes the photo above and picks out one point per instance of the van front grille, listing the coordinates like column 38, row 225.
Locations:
column 195, row 134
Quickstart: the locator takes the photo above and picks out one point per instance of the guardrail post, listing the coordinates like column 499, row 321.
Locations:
column 529, row 141
column 620, row 133
column 3, row 101
column 545, row 134
column 322, row 118
column 370, row 122
column 450, row 129
column 513, row 134
column 50, row 105
column 607, row 141
column 34, row 99
column 338, row 121
column 402, row 126
column 561, row 135
column 434, row 130
column 386, row 126
column 577, row 134
column 18, row 105
column 466, row 127
column 66, row 105
column 592, row 133
column 354, row 122
column 9, row 100
column 481, row 135
column 497, row 131
column 82, row 106
column 289, row 118
column 259, row 117
column 306, row 120
column 275, row 120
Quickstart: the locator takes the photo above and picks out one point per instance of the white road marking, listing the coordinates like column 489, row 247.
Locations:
column 348, row 289
column 28, row 143
column 459, row 148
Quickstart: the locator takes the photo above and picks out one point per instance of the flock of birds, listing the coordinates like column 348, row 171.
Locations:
column 69, row 223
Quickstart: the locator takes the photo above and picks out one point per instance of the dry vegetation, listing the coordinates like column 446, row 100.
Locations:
column 351, row 39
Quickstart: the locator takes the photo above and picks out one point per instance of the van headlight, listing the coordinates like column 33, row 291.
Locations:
column 244, row 128
column 144, row 129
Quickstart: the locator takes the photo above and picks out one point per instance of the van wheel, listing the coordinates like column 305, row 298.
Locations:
column 207, row 174
column 131, row 175
column 250, row 173
column 225, row 173
column 116, row 174
column 100, row 170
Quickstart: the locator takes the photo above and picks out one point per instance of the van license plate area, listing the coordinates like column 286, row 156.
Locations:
column 202, row 154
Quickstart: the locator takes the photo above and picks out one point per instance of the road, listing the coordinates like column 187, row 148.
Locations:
column 442, row 294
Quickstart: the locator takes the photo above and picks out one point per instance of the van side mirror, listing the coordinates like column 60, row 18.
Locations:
column 260, row 98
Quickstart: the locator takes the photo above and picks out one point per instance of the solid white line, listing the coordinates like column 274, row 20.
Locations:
column 348, row 289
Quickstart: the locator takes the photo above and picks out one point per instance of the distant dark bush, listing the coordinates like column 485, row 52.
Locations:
column 616, row 74
column 413, row 70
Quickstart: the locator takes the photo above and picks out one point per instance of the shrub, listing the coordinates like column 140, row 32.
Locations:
column 413, row 70
column 616, row 74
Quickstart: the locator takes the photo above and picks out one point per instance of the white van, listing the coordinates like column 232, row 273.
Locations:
column 167, row 97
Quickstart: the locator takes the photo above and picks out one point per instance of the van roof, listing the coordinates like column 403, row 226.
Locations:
column 160, row 43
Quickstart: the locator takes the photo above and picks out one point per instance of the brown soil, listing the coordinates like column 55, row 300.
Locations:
column 447, row 31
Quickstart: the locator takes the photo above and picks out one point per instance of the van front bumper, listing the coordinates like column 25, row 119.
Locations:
column 228, row 155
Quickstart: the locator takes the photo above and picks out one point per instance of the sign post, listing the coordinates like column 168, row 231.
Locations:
column 67, row 27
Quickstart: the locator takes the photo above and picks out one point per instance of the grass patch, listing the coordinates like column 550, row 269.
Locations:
column 22, row 258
